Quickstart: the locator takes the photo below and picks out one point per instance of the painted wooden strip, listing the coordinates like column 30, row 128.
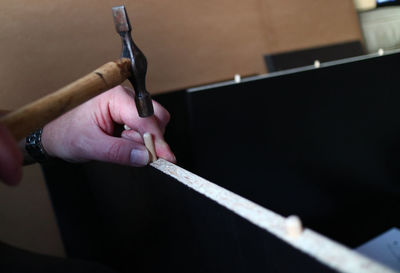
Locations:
column 320, row 247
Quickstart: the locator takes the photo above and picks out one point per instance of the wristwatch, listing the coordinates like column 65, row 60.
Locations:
column 34, row 147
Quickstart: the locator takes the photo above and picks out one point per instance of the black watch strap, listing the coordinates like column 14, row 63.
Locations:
column 34, row 147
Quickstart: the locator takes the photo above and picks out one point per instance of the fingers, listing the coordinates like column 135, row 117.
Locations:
column 164, row 151
column 85, row 133
column 10, row 158
column 82, row 141
column 118, row 150
column 162, row 148
column 123, row 110
column 133, row 136
column 161, row 115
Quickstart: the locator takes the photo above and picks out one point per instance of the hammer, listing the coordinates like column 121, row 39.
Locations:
column 131, row 66
column 138, row 62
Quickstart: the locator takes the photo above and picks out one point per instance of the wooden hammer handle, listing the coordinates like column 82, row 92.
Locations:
column 26, row 119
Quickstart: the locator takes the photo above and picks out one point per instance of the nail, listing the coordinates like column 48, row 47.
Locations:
column 139, row 157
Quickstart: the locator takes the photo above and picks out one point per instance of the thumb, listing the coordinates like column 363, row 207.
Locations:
column 120, row 151
column 162, row 148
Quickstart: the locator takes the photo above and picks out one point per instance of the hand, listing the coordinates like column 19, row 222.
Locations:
column 86, row 132
column 10, row 158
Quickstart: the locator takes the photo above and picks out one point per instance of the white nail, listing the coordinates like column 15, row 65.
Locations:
column 139, row 157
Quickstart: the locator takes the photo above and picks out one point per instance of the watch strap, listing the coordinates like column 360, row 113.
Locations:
column 34, row 147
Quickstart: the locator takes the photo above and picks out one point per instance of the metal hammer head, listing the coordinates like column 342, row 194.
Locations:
column 138, row 60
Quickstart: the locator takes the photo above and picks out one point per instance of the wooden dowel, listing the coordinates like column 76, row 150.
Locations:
column 149, row 143
column 26, row 119
column 294, row 227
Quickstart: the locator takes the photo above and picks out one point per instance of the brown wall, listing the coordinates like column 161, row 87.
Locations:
column 45, row 44
column 50, row 43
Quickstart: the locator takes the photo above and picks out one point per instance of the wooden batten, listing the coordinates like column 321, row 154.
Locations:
column 323, row 249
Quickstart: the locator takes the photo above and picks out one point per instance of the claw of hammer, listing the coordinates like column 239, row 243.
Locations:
column 138, row 61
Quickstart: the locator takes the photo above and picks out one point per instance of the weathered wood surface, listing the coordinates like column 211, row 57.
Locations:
column 35, row 115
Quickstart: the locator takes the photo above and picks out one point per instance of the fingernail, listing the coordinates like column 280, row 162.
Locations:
column 172, row 158
column 139, row 157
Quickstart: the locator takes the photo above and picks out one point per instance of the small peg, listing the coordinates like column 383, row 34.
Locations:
column 294, row 227
column 237, row 78
column 149, row 143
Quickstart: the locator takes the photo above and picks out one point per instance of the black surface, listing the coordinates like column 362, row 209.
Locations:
column 14, row 260
column 322, row 144
column 303, row 57
column 385, row 3
column 148, row 222
column 178, row 134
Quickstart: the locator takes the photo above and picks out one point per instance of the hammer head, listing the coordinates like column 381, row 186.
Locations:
column 138, row 62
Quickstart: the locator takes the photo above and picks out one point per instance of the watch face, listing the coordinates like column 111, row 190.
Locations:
column 33, row 146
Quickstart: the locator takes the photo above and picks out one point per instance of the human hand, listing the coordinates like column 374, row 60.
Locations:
column 86, row 132
column 10, row 158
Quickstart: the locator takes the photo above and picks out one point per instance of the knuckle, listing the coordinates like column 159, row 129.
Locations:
column 113, row 153
column 162, row 113
column 167, row 116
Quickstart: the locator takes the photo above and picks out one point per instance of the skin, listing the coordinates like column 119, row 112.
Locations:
column 10, row 158
column 86, row 133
